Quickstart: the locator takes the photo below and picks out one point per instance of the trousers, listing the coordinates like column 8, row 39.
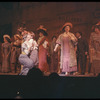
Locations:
column 26, row 62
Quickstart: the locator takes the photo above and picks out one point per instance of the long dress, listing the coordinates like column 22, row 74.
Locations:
column 68, row 61
column 43, row 65
column 6, row 50
column 94, row 51
column 16, row 51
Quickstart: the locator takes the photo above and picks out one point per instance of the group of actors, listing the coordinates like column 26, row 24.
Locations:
column 63, row 55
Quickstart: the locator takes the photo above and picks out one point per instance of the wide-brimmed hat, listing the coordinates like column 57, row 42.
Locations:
column 18, row 36
column 42, row 27
column 42, row 30
column 32, row 33
column 6, row 36
column 67, row 24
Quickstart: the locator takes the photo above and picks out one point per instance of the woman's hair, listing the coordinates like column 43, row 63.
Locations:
column 79, row 33
column 64, row 28
column 42, row 31
column 32, row 34
column 53, row 37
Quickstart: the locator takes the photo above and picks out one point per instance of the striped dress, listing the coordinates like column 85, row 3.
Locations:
column 94, row 51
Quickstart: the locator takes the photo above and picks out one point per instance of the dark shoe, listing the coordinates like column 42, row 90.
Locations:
column 62, row 72
column 95, row 74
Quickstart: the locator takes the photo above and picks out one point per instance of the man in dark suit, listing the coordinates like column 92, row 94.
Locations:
column 82, row 52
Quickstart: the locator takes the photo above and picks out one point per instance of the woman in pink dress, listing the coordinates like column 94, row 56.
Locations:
column 67, row 40
column 43, row 49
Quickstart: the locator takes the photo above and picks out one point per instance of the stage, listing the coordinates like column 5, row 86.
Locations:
column 47, row 74
column 56, row 86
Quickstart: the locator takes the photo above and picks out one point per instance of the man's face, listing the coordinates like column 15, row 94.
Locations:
column 77, row 35
column 96, row 30
column 54, row 39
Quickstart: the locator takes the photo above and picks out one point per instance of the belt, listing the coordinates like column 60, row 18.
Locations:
column 23, row 53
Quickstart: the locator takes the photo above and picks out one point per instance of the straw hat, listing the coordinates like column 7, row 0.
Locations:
column 67, row 24
column 18, row 36
column 6, row 36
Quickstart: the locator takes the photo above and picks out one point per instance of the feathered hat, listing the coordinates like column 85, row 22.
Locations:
column 42, row 30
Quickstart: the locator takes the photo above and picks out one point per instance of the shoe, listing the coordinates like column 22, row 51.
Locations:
column 76, row 73
column 86, row 73
column 95, row 74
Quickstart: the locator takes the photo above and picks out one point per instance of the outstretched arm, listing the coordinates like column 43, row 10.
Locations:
column 56, row 47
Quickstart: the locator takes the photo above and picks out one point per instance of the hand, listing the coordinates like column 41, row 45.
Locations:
column 60, row 70
column 54, row 50
column 87, row 56
column 48, row 55
column 32, row 45
column 86, row 53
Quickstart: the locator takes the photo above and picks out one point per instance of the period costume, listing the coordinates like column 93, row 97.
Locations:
column 6, row 52
column 82, row 48
column 15, row 52
column 54, row 58
column 68, row 62
column 43, row 44
column 34, row 52
column 94, row 49
column 24, row 57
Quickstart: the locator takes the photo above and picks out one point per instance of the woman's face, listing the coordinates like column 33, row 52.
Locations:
column 28, row 37
column 67, row 28
column 40, row 34
column 77, row 35
column 5, row 40
column 24, row 32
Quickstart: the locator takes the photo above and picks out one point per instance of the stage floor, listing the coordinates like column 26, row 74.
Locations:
column 47, row 74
